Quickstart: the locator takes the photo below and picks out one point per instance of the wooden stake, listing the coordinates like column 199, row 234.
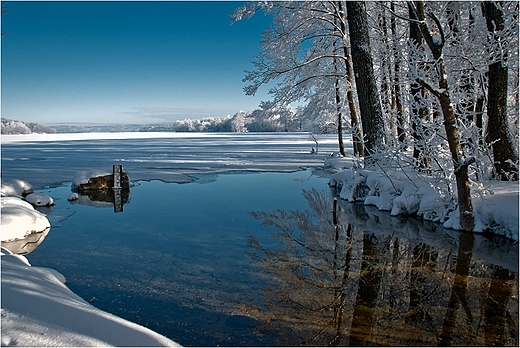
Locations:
column 334, row 211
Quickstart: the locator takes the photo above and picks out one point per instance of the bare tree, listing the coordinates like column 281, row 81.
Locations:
column 460, row 163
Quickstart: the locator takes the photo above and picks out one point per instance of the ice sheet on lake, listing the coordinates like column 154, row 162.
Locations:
column 49, row 159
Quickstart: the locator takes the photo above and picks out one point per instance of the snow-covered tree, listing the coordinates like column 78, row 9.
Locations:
column 19, row 127
column 442, row 92
column 238, row 122
column 498, row 133
column 305, row 49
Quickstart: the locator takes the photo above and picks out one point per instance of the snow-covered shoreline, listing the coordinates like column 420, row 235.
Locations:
column 495, row 203
column 38, row 137
column 46, row 137
column 38, row 309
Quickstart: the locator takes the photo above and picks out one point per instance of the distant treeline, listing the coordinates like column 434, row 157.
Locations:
column 19, row 127
column 266, row 119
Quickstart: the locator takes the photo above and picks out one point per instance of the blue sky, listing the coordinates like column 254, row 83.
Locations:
column 126, row 62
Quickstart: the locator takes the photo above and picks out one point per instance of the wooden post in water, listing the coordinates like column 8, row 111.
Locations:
column 118, row 197
column 335, row 212
column 118, row 172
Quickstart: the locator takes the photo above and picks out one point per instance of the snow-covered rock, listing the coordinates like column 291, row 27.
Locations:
column 351, row 185
column 20, row 219
column 39, row 200
column 84, row 176
column 96, row 179
column 73, row 197
column 16, row 187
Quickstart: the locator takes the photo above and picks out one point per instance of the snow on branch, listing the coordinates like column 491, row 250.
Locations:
column 433, row 90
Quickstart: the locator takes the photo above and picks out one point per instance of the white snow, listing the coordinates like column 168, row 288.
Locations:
column 39, row 200
column 16, row 187
column 19, row 219
column 38, row 309
column 14, row 138
column 495, row 202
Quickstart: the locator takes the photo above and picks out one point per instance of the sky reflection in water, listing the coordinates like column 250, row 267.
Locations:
column 193, row 262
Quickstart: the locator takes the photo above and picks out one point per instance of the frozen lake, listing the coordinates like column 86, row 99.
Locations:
column 208, row 254
column 50, row 159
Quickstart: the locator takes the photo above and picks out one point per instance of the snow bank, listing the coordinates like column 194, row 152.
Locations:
column 495, row 203
column 38, row 309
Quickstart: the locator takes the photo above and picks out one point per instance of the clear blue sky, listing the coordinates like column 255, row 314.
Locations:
column 126, row 62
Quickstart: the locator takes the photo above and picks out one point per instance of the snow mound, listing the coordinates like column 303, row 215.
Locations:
column 20, row 219
column 495, row 203
column 38, row 309
column 16, row 187
column 39, row 200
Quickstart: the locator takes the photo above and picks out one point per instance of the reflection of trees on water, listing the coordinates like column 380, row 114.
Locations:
column 402, row 283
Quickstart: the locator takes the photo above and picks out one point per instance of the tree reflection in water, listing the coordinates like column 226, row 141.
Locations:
column 372, row 279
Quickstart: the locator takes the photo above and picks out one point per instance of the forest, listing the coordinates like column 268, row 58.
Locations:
column 437, row 80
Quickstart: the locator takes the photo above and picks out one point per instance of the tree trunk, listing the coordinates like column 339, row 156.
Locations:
column 357, row 134
column 338, row 105
column 340, row 119
column 460, row 164
column 498, row 133
column 386, row 73
column 397, row 98
column 369, row 103
column 419, row 112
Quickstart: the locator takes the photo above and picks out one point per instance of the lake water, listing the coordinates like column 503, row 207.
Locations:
column 255, row 259
column 174, row 260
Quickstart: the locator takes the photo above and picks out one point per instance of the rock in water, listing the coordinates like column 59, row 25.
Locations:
column 39, row 200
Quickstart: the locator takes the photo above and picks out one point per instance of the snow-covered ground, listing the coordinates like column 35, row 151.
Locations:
column 400, row 192
column 38, row 309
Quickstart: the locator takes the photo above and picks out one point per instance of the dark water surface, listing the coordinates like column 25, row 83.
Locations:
column 255, row 260
column 174, row 260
